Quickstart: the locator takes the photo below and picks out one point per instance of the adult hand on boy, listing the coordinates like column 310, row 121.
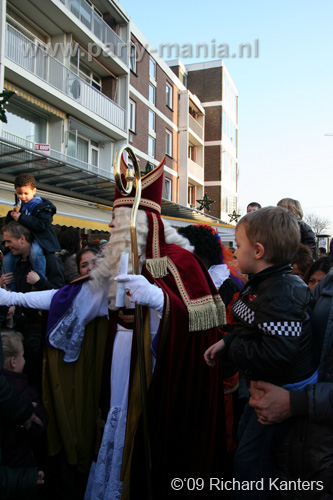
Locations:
column 213, row 351
column 270, row 402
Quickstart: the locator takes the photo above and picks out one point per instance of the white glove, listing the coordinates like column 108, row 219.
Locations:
column 34, row 300
column 140, row 291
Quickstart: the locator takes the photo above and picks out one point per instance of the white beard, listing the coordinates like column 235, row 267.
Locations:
column 107, row 267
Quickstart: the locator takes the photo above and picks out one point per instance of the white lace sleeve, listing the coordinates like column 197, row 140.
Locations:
column 68, row 333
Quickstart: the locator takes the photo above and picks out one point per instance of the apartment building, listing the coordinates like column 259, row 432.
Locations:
column 213, row 85
column 87, row 81
column 165, row 119
column 67, row 61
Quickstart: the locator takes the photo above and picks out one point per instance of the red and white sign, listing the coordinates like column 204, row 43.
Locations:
column 43, row 148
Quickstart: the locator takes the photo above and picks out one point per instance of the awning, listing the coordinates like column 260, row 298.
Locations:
column 89, row 188
column 70, row 212
column 77, row 215
column 34, row 100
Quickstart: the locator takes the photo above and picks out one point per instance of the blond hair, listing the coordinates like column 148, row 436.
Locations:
column 292, row 206
column 11, row 343
column 276, row 229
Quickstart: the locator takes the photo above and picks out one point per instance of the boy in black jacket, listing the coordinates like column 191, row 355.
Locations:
column 35, row 214
column 272, row 340
column 21, row 448
column 19, row 483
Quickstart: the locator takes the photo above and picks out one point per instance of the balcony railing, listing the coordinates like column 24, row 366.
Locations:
column 89, row 17
column 54, row 154
column 36, row 60
column 196, row 127
column 16, row 139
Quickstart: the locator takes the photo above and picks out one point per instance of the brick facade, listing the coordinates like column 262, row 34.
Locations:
column 140, row 80
column 206, row 84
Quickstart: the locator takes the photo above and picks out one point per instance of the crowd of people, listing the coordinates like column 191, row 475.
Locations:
column 209, row 376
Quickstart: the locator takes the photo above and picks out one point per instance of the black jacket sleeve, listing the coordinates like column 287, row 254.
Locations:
column 42, row 222
column 54, row 273
column 268, row 343
column 261, row 354
column 316, row 402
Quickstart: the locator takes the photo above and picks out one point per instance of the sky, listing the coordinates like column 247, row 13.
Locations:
column 285, row 104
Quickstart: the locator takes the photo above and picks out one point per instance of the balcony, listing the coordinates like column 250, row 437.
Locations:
column 196, row 127
column 195, row 171
column 30, row 56
column 60, row 157
column 95, row 23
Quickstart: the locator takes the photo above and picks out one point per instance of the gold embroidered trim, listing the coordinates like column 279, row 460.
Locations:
column 145, row 203
column 204, row 313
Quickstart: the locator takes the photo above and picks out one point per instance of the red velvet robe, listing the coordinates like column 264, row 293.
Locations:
column 185, row 398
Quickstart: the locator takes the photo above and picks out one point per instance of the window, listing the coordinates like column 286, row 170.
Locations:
column 78, row 147
column 168, row 95
column 86, row 13
column 228, row 201
column 131, row 115
column 167, row 189
column 168, row 143
column 152, row 93
column 192, row 195
column 94, row 157
column 82, row 149
column 23, row 122
column 151, row 120
column 192, row 153
column 229, row 128
column 133, row 58
column 151, row 146
column 94, row 153
column 152, row 69
column 78, row 67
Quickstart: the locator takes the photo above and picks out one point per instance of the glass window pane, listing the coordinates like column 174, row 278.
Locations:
column 152, row 93
column 82, row 149
column 152, row 68
column 25, row 123
column 71, row 147
column 151, row 146
column 133, row 58
column 151, row 120
column 94, row 157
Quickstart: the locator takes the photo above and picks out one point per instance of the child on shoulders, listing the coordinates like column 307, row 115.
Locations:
column 36, row 214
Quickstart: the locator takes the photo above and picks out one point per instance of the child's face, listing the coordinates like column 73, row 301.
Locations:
column 316, row 278
column 25, row 193
column 87, row 263
column 19, row 360
column 245, row 252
